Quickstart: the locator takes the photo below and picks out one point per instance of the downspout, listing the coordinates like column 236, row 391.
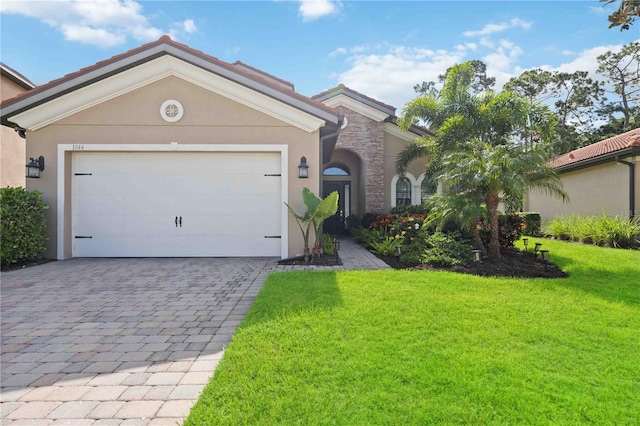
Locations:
column 632, row 186
column 325, row 137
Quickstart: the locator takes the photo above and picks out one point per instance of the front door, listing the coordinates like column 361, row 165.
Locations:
column 335, row 225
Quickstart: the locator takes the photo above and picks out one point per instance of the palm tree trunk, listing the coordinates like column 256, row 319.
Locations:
column 493, row 200
column 475, row 237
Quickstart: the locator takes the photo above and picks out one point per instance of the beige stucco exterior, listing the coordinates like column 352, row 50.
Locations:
column 12, row 146
column 393, row 145
column 134, row 118
column 594, row 190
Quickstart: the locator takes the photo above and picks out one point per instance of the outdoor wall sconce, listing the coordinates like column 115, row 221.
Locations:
column 336, row 246
column 476, row 255
column 545, row 257
column 35, row 166
column 303, row 168
column 525, row 241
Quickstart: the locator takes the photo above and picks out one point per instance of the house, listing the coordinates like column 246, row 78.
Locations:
column 12, row 146
column 599, row 178
column 165, row 151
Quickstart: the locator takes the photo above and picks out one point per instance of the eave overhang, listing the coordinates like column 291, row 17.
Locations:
column 601, row 159
column 106, row 80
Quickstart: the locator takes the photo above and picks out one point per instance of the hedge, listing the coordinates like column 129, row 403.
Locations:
column 22, row 226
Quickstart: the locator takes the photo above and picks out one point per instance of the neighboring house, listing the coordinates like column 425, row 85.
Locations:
column 12, row 146
column 599, row 178
column 167, row 151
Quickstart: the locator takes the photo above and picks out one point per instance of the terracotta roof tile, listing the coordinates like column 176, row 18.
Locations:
column 342, row 88
column 252, row 73
column 242, row 65
column 607, row 146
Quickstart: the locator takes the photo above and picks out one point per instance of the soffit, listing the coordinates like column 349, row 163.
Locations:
column 356, row 106
column 394, row 130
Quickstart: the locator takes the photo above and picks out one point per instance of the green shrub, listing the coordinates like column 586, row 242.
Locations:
column 327, row 245
column 532, row 223
column 411, row 209
column 445, row 250
column 387, row 247
column 22, row 225
column 612, row 231
column 366, row 237
column 413, row 253
column 409, row 227
column 510, row 227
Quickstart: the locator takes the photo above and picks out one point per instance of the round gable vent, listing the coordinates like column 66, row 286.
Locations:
column 171, row 111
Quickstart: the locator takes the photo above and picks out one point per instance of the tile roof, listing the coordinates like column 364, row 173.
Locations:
column 342, row 89
column 605, row 148
column 16, row 77
column 240, row 68
column 259, row 72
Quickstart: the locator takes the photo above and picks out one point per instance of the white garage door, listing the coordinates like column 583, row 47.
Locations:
column 158, row 204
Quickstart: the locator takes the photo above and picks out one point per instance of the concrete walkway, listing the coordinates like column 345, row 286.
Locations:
column 124, row 341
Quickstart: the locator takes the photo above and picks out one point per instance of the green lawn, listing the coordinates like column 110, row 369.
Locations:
column 420, row 347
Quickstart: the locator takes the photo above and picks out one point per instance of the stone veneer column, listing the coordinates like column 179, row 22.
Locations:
column 365, row 137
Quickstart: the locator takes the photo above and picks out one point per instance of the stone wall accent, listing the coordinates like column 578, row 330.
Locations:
column 365, row 137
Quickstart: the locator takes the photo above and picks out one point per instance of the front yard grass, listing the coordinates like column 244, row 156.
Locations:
column 422, row 347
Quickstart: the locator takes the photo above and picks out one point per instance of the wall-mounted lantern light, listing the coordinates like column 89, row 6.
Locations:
column 35, row 166
column 303, row 168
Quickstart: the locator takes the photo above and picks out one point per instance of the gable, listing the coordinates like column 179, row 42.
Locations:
column 152, row 71
column 201, row 109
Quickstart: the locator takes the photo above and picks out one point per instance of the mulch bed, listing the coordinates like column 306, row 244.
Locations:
column 513, row 263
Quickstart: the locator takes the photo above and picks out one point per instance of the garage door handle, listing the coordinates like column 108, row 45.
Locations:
column 176, row 221
column 180, row 221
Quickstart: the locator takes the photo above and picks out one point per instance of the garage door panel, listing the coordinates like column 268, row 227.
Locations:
column 129, row 203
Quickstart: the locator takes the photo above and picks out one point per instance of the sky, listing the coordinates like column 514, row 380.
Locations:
column 379, row 48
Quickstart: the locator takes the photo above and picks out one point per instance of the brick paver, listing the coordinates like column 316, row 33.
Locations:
column 124, row 341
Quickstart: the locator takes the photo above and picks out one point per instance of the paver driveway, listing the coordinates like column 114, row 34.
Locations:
column 118, row 341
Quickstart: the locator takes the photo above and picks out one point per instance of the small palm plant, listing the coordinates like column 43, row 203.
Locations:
column 318, row 210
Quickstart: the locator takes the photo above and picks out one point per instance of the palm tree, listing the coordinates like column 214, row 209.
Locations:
column 478, row 148
column 499, row 173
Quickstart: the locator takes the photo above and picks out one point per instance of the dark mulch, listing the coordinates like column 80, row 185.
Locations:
column 318, row 261
column 513, row 263
column 26, row 264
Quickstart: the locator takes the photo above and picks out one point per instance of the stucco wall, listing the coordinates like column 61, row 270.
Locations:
column 592, row 191
column 393, row 145
column 134, row 118
column 12, row 146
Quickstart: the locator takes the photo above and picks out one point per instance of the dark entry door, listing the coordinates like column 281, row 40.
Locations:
column 335, row 225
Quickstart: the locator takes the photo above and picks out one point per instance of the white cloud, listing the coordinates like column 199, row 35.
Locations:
column 311, row 10
column 189, row 27
column 102, row 23
column 389, row 73
column 497, row 28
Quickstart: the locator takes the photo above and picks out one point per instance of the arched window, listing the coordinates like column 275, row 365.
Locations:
column 337, row 170
column 403, row 192
column 427, row 189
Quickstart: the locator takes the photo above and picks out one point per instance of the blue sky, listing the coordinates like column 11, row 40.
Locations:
column 380, row 48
